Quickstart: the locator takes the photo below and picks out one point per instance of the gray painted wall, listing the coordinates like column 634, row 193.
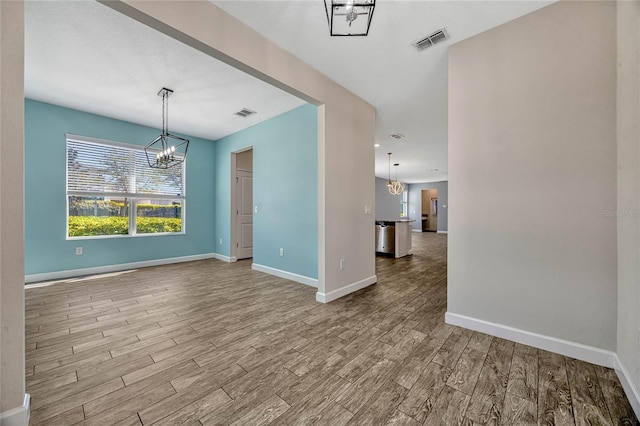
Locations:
column 387, row 205
column 415, row 203
column 533, row 167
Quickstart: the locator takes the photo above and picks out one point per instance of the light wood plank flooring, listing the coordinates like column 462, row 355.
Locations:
column 214, row 343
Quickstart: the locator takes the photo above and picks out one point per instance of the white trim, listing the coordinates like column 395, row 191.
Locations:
column 416, row 230
column 18, row 416
column 343, row 291
column 73, row 273
column 442, row 232
column 553, row 344
column 98, row 141
column 632, row 392
column 286, row 275
column 225, row 258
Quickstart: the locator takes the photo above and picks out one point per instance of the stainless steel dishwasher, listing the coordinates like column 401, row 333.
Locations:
column 385, row 237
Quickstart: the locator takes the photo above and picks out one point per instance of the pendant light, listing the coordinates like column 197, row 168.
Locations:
column 349, row 17
column 166, row 150
column 395, row 187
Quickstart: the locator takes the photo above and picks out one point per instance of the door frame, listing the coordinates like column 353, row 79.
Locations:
column 232, row 189
column 427, row 192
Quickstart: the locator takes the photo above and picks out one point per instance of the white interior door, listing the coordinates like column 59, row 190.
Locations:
column 244, row 212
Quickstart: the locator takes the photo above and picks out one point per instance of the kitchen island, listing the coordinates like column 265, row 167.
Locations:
column 393, row 237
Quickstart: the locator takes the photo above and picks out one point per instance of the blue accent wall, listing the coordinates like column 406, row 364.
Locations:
column 46, row 246
column 285, row 190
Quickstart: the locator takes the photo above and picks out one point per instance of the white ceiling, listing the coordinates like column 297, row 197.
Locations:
column 407, row 87
column 86, row 56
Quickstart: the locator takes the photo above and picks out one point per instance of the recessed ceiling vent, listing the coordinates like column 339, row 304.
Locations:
column 430, row 40
column 397, row 136
column 244, row 113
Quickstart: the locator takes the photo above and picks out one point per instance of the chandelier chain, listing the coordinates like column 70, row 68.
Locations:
column 165, row 114
column 166, row 150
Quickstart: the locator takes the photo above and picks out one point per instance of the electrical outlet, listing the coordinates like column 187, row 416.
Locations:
column 342, row 264
column 78, row 251
column 281, row 252
column 220, row 242
column 368, row 209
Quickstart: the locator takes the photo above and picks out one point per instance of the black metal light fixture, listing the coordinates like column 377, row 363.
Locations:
column 349, row 17
column 166, row 150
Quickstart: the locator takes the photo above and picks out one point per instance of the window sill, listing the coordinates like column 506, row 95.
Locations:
column 104, row 237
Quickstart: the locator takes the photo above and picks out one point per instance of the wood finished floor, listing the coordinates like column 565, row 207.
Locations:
column 214, row 343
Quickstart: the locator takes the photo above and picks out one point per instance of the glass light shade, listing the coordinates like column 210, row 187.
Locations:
column 396, row 188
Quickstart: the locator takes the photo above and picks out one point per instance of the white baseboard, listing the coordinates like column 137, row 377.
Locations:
column 343, row 291
column 416, row 230
column 286, row 275
column 552, row 344
column 18, row 416
column 632, row 392
column 72, row 273
column 225, row 258
column 443, row 232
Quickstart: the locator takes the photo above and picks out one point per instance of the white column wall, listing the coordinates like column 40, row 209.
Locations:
column 628, row 122
column 12, row 383
column 345, row 142
column 532, row 176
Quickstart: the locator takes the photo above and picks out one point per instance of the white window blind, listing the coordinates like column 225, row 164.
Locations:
column 113, row 169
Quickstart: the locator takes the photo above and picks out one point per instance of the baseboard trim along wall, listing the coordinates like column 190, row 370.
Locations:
column 18, row 416
column 443, row 232
column 225, row 258
column 73, row 273
column 632, row 392
column 560, row 346
column 336, row 294
column 286, row 275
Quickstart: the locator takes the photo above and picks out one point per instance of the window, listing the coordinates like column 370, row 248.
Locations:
column 111, row 190
column 404, row 204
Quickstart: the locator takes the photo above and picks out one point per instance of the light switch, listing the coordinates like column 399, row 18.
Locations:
column 255, row 209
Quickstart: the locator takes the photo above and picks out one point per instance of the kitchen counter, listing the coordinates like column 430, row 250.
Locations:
column 393, row 237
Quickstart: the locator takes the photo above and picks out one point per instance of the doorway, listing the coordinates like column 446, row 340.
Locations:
column 242, row 189
column 429, row 210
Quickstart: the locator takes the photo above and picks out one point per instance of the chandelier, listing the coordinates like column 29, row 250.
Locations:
column 395, row 187
column 166, row 150
column 349, row 17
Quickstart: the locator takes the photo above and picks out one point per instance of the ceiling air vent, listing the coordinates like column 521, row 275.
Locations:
column 430, row 40
column 397, row 136
column 244, row 112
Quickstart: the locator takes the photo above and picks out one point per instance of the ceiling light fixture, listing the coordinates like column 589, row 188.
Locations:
column 395, row 187
column 349, row 17
column 376, row 145
column 166, row 150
